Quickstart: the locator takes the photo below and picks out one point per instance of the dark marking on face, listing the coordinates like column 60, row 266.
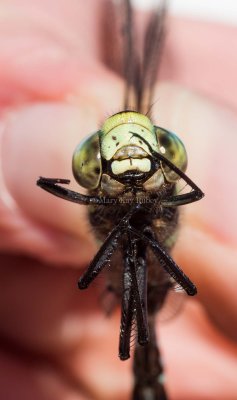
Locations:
column 114, row 138
column 96, row 170
column 117, row 143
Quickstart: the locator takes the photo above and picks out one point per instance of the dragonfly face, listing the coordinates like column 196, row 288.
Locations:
column 120, row 156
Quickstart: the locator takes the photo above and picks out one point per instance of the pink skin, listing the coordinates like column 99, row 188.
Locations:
column 53, row 91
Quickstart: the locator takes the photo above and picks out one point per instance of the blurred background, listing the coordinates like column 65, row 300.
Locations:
column 210, row 10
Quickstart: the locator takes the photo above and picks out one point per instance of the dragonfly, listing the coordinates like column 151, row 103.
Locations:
column 134, row 173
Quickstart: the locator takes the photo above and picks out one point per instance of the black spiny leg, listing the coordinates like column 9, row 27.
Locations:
column 181, row 199
column 168, row 263
column 101, row 258
column 106, row 251
column 127, row 310
column 137, row 252
column 52, row 186
column 134, row 303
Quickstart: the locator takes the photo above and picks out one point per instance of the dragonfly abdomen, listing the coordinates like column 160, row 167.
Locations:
column 148, row 369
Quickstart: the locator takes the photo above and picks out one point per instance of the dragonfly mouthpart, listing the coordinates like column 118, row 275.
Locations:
column 129, row 164
column 131, row 151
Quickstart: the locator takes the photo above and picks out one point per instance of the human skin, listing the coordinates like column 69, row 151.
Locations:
column 56, row 342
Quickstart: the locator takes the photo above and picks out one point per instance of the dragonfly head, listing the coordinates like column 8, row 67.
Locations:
column 122, row 153
column 123, row 146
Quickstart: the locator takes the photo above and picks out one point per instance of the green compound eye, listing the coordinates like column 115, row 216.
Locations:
column 172, row 148
column 86, row 162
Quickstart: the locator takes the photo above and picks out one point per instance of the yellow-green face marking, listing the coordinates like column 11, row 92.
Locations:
column 121, row 142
